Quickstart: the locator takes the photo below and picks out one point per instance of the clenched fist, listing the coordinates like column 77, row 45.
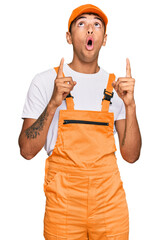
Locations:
column 62, row 86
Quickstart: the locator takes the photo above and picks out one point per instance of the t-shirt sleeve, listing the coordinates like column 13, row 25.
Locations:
column 34, row 103
column 122, row 112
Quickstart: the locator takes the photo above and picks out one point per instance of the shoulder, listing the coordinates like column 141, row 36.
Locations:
column 42, row 84
column 45, row 77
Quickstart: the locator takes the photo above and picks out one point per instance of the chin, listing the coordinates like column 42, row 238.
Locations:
column 89, row 58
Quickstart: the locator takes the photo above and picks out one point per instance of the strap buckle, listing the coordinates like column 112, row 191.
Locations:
column 69, row 95
column 108, row 96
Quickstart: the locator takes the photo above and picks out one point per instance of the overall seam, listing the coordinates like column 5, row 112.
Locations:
column 67, row 176
column 87, row 205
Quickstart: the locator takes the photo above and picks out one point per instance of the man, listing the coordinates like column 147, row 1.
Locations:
column 64, row 111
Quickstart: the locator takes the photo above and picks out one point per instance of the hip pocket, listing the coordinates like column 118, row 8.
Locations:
column 50, row 175
column 49, row 180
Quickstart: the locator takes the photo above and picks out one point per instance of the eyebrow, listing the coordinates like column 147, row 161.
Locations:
column 85, row 17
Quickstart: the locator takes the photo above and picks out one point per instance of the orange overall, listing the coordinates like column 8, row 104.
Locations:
column 84, row 192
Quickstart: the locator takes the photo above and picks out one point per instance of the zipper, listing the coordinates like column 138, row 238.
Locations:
column 86, row 122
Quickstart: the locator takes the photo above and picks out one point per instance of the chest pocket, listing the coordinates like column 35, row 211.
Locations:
column 87, row 138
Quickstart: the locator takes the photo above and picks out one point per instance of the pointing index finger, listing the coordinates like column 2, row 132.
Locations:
column 60, row 69
column 128, row 68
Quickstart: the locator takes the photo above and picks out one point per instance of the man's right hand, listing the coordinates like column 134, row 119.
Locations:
column 34, row 131
column 62, row 86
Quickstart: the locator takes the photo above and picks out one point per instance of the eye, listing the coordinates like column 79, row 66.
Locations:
column 81, row 24
column 97, row 24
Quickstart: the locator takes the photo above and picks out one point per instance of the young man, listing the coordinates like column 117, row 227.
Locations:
column 68, row 109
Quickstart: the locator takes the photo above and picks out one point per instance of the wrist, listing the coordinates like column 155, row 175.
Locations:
column 132, row 105
column 131, row 108
column 51, row 107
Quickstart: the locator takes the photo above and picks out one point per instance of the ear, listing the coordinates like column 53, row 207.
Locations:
column 69, row 37
column 104, row 40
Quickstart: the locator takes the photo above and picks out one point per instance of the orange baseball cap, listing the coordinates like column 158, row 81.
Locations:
column 86, row 9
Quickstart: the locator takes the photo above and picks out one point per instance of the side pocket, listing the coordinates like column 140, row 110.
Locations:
column 48, row 184
column 49, row 176
column 45, row 177
column 118, row 175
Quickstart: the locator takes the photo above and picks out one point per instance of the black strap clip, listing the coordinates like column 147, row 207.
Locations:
column 69, row 95
column 108, row 96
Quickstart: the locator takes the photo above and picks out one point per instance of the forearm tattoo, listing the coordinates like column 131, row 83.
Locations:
column 34, row 130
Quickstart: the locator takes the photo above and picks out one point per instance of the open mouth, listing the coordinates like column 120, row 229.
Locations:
column 89, row 44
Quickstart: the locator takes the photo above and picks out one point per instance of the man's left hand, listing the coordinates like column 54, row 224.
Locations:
column 124, row 86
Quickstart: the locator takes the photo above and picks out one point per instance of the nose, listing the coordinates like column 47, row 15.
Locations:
column 90, row 29
column 90, row 32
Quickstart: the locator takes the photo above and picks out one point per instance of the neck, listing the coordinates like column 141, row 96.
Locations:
column 84, row 67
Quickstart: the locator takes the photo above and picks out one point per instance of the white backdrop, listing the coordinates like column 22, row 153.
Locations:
column 33, row 40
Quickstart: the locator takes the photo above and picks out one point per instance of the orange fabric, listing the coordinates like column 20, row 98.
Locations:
column 109, row 89
column 85, row 9
column 56, row 69
column 84, row 192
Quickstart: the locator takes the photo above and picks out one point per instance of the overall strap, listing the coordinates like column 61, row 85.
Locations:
column 108, row 94
column 69, row 97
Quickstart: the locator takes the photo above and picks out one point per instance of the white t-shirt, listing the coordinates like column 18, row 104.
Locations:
column 87, row 93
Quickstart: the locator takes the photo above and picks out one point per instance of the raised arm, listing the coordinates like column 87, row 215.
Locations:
column 34, row 132
column 128, row 129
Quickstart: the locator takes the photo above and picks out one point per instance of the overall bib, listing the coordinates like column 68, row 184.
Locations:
column 84, row 192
